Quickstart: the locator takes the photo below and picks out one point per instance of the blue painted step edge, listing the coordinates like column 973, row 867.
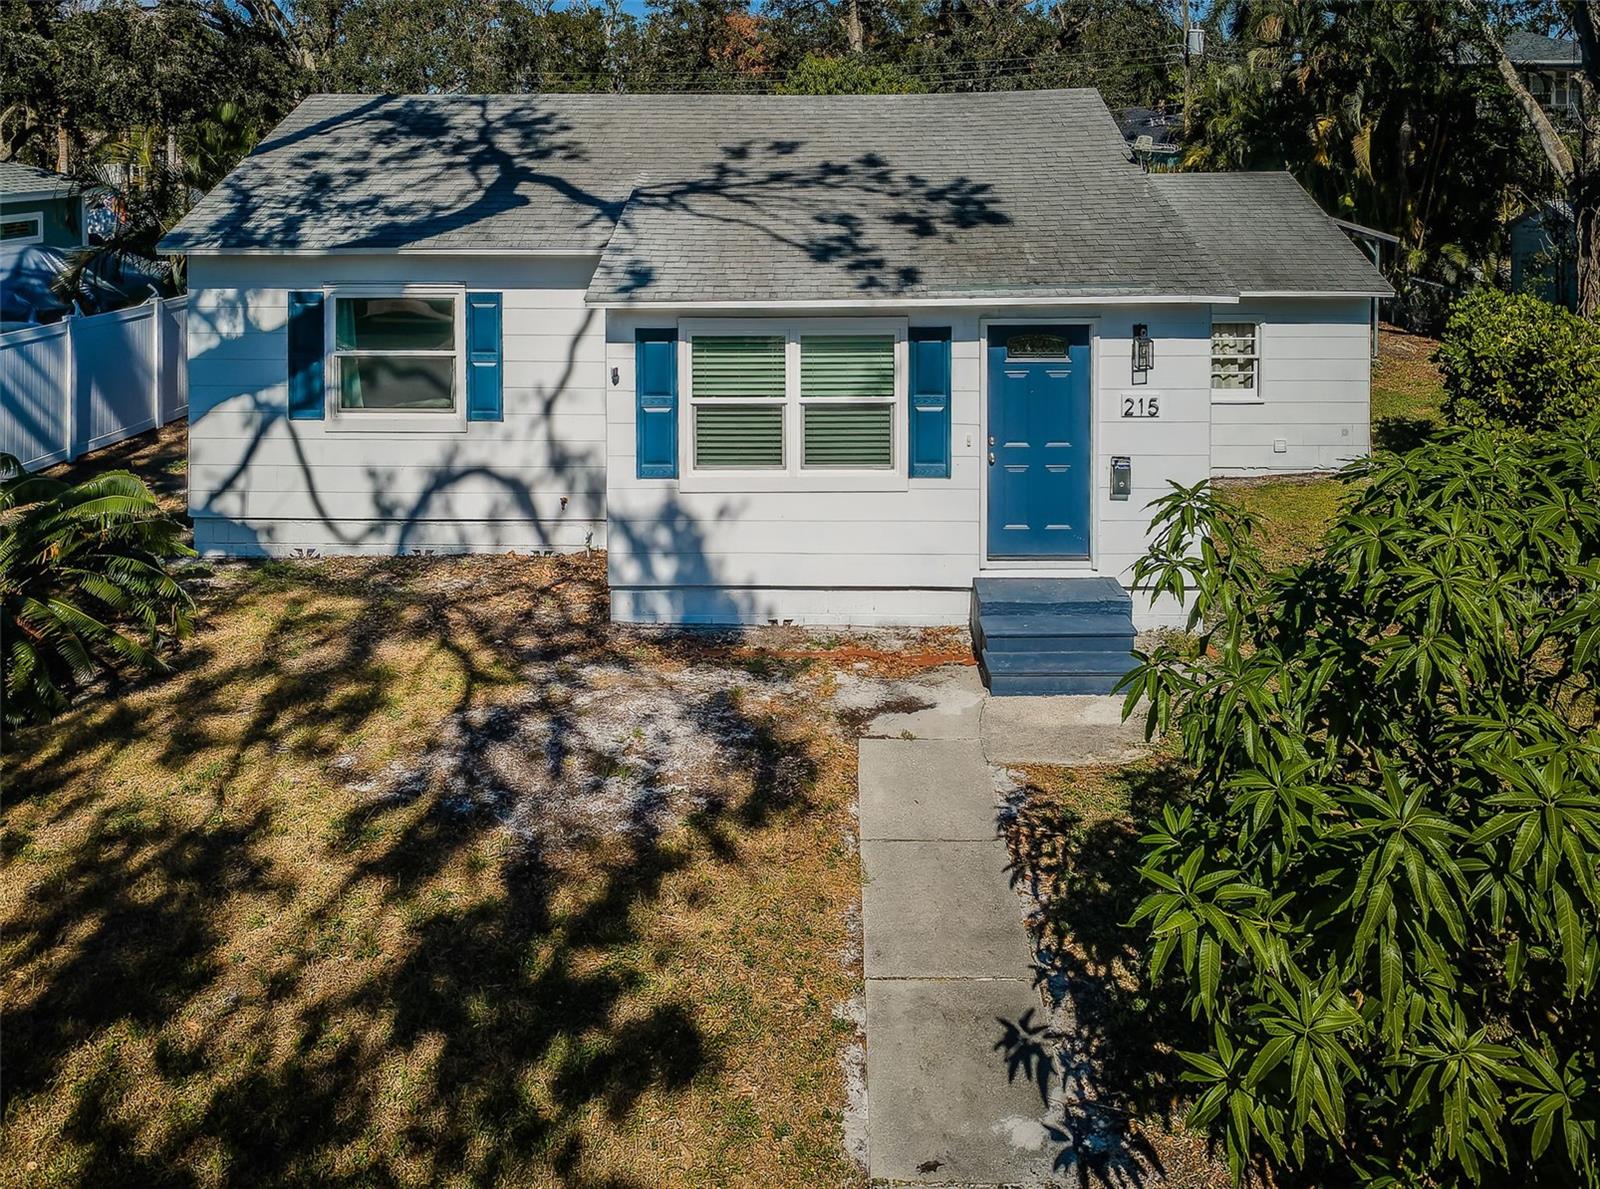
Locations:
column 1114, row 664
column 1044, row 596
column 1005, row 685
column 1100, row 623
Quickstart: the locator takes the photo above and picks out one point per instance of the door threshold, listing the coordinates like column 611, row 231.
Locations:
column 1038, row 570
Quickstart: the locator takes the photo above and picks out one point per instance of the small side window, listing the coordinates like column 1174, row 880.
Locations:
column 1235, row 361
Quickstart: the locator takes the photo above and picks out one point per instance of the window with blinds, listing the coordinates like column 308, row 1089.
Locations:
column 738, row 389
column 1235, row 360
column 847, row 401
column 823, row 398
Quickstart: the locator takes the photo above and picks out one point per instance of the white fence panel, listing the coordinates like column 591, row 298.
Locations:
column 116, row 375
column 35, row 375
column 88, row 382
column 174, row 377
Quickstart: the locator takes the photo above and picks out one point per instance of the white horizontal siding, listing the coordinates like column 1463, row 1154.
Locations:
column 261, row 483
column 827, row 557
column 1315, row 407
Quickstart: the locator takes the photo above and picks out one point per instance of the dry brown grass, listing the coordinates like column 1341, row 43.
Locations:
column 360, row 894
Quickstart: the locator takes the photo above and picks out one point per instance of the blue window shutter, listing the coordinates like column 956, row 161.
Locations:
column 307, row 400
column 483, row 357
column 655, row 358
column 930, row 402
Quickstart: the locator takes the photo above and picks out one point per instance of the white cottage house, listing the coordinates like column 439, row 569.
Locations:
column 837, row 359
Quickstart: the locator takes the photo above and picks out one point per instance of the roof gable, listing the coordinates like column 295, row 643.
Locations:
column 1268, row 235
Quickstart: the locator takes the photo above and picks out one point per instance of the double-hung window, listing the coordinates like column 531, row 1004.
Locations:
column 738, row 389
column 813, row 401
column 847, row 401
column 395, row 354
column 1235, row 361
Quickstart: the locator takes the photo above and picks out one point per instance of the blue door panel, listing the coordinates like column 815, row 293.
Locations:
column 1039, row 461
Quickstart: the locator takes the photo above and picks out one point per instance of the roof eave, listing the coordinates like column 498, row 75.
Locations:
column 974, row 299
column 179, row 249
column 1252, row 294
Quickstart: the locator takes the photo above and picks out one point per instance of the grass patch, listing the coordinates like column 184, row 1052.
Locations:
column 1407, row 393
column 1294, row 511
column 418, row 872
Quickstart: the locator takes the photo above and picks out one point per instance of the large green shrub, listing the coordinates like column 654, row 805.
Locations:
column 1382, row 897
column 1512, row 359
column 84, row 585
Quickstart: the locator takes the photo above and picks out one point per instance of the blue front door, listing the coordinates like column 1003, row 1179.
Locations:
column 1038, row 456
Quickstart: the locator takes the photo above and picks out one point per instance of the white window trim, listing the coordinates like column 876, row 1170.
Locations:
column 36, row 217
column 1240, row 396
column 792, row 476
column 342, row 420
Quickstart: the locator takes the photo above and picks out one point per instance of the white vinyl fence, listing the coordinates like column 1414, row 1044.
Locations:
column 85, row 382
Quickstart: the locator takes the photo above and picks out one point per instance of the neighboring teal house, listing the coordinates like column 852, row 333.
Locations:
column 39, row 207
column 1544, row 254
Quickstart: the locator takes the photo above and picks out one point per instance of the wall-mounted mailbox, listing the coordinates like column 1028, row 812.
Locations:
column 1121, row 476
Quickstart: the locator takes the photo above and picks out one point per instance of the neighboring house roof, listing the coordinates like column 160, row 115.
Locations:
column 1268, row 234
column 726, row 198
column 1551, row 209
column 1524, row 48
column 17, row 179
column 1163, row 128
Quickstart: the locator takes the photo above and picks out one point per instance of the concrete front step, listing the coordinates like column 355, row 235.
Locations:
column 1052, row 635
column 1113, row 663
column 1010, row 685
column 1050, row 596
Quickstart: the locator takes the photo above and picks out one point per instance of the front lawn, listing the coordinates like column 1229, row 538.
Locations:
column 418, row 872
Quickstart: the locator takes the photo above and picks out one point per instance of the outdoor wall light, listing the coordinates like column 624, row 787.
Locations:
column 1144, row 353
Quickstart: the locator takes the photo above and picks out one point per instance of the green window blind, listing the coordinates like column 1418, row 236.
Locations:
column 738, row 436
column 854, row 365
column 849, row 435
column 847, row 384
column 737, row 366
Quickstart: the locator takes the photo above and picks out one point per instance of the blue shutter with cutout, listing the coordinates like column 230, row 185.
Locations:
column 483, row 357
column 307, row 400
column 930, row 402
column 655, row 357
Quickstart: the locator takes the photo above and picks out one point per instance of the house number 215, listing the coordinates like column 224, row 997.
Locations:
column 1141, row 406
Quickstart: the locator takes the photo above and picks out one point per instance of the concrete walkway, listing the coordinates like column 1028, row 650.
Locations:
column 959, row 1075
column 948, row 968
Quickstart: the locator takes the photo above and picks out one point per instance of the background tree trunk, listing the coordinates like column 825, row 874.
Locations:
column 854, row 36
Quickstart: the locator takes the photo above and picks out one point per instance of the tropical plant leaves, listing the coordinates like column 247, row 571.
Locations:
column 1384, row 892
column 84, row 585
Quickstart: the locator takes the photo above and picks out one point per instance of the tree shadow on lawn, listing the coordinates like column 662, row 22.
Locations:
column 1076, row 852
column 246, row 957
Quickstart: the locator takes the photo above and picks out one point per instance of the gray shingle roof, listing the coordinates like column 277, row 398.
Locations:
column 1268, row 234
column 1526, row 48
column 17, row 178
column 1026, row 194
column 733, row 198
